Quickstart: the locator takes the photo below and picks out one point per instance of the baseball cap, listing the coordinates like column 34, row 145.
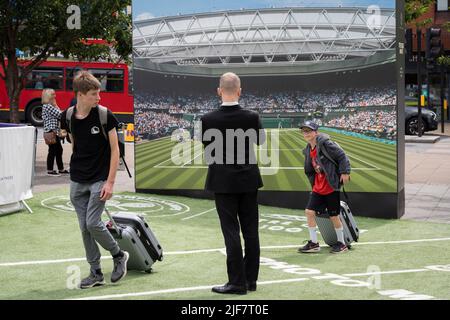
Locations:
column 311, row 125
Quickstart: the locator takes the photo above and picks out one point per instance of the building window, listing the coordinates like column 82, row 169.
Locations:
column 442, row 5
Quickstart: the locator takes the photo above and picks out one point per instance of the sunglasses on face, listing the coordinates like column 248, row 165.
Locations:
column 306, row 131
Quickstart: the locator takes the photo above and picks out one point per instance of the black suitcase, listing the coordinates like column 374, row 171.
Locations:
column 135, row 236
column 326, row 228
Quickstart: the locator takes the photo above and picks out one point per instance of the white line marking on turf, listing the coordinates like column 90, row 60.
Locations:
column 24, row 263
column 192, row 251
column 401, row 241
column 198, row 214
column 10, row 264
column 384, row 272
column 186, row 289
column 146, row 293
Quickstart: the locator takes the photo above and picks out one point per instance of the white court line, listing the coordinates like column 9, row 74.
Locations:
column 192, row 160
column 168, row 137
column 373, row 167
column 349, row 155
column 198, row 214
column 186, row 289
column 352, row 156
column 261, row 168
column 11, row 264
column 158, row 165
column 274, row 149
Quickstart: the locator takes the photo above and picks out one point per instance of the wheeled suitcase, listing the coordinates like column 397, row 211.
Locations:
column 326, row 228
column 135, row 236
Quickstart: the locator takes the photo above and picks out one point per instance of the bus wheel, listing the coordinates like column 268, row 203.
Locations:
column 34, row 114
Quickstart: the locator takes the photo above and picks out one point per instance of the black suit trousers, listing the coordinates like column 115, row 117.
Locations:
column 240, row 211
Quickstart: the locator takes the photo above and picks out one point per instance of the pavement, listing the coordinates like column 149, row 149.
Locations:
column 427, row 176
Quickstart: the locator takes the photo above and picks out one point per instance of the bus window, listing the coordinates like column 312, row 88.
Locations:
column 110, row 79
column 70, row 74
column 41, row 78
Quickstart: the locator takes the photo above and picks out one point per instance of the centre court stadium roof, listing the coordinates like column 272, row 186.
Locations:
column 266, row 41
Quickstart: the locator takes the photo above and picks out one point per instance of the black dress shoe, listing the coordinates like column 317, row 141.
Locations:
column 251, row 286
column 230, row 288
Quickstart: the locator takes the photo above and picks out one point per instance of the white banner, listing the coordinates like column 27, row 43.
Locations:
column 17, row 151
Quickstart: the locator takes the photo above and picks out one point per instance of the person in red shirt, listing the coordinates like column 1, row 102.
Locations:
column 326, row 179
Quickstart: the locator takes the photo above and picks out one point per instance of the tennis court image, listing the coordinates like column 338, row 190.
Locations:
column 373, row 163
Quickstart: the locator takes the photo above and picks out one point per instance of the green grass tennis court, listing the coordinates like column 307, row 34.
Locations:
column 42, row 255
column 373, row 164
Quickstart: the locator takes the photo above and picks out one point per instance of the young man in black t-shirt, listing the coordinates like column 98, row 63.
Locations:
column 93, row 167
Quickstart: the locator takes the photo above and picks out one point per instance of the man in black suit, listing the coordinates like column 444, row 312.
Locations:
column 229, row 135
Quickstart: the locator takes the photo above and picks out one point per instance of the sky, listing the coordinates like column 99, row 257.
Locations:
column 146, row 9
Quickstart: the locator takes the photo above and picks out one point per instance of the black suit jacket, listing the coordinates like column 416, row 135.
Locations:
column 243, row 174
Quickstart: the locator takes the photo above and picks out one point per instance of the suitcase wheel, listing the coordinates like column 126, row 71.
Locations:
column 148, row 271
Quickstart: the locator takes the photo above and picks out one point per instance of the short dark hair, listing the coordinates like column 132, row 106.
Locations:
column 85, row 81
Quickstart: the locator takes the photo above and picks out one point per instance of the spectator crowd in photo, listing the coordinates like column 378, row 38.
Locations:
column 380, row 124
column 152, row 125
column 158, row 113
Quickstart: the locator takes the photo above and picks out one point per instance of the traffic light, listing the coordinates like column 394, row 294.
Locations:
column 433, row 45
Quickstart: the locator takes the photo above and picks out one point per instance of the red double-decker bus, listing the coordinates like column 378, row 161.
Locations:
column 116, row 91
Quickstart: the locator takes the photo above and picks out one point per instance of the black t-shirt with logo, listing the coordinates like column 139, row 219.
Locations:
column 91, row 154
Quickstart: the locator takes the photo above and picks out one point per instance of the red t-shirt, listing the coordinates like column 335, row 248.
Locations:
column 321, row 184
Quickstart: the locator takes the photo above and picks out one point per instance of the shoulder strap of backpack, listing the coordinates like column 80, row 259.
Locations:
column 103, row 115
column 69, row 114
column 324, row 151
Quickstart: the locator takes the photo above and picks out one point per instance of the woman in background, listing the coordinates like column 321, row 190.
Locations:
column 51, row 115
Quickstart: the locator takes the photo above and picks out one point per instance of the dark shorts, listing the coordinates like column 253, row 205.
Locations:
column 319, row 203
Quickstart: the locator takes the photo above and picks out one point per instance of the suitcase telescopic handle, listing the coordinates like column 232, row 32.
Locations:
column 113, row 222
column 345, row 195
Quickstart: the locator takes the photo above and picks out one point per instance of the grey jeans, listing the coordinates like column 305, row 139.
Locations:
column 85, row 198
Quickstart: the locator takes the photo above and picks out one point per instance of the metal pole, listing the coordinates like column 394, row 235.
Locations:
column 428, row 86
column 419, row 81
column 448, row 91
column 442, row 98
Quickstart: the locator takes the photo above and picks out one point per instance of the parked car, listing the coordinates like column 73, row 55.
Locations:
column 429, row 122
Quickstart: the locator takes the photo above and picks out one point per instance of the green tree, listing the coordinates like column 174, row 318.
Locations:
column 414, row 9
column 49, row 27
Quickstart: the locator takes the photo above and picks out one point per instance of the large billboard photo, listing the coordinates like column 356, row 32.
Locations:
column 334, row 64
